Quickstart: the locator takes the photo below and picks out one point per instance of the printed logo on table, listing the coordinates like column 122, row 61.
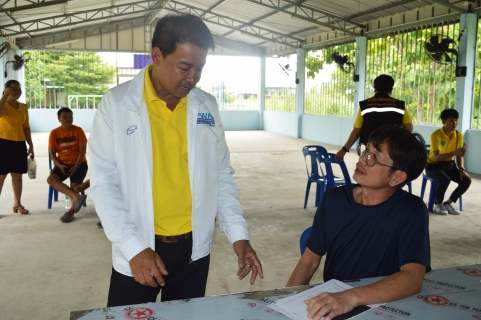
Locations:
column 139, row 313
column 472, row 272
column 252, row 305
column 436, row 300
column 205, row 118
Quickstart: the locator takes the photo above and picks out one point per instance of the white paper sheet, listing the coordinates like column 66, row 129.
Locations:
column 294, row 306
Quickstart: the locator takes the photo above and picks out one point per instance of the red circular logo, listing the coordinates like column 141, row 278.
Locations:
column 472, row 272
column 139, row 313
column 436, row 300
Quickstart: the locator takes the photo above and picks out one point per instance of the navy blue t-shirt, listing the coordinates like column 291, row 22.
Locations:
column 369, row 241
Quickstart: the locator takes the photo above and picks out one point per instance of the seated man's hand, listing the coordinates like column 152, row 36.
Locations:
column 329, row 305
column 147, row 268
column 72, row 171
column 63, row 168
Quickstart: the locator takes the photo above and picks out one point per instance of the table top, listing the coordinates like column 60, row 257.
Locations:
column 452, row 293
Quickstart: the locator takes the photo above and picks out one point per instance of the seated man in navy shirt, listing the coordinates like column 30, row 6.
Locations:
column 371, row 229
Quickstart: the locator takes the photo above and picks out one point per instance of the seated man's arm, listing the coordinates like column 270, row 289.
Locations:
column 397, row 286
column 305, row 269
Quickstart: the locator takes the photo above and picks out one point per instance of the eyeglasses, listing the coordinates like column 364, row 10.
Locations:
column 370, row 158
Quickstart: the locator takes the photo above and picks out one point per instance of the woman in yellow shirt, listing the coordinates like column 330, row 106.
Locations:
column 14, row 131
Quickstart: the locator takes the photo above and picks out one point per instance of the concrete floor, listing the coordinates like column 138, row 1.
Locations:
column 49, row 268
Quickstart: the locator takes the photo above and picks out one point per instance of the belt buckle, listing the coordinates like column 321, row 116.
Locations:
column 164, row 239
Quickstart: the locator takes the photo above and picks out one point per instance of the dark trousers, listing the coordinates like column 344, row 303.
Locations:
column 444, row 173
column 185, row 280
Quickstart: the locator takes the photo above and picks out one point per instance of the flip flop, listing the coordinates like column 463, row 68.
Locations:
column 79, row 202
column 67, row 217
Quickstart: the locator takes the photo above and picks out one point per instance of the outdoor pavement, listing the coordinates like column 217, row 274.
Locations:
column 49, row 268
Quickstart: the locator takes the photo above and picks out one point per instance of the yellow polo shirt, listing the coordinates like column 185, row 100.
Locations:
column 12, row 122
column 441, row 142
column 170, row 183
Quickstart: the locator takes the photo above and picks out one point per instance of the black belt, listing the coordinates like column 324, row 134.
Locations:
column 171, row 239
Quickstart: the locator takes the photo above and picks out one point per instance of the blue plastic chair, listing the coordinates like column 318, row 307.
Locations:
column 432, row 191
column 327, row 160
column 302, row 242
column 312, row 169
column 52, row 192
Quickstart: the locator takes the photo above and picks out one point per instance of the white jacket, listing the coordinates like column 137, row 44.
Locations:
column 121, row 173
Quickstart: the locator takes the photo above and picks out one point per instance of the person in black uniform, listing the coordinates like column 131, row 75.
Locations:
column 375, row 112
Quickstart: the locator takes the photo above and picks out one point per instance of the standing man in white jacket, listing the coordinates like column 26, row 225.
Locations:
column 161, row 173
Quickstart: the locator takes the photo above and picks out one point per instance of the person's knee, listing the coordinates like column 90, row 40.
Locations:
column 52, row 178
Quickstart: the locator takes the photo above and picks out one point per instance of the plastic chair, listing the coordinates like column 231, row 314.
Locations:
column 432, row 191
column 302, row 241
column 52, row 192
column 312, row 170
column 327, row 160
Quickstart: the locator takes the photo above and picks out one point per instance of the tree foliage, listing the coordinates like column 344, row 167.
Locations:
column 73, row 73
column 427, row 87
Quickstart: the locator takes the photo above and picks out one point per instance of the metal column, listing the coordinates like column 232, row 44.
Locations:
column 300, row 88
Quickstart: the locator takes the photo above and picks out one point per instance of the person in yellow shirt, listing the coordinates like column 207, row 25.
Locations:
column 14, row 131
column 446, row 145
column 161, row 174
column 376, row 111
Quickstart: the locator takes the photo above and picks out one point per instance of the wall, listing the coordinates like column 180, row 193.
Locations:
column 240, row 120
column 280, row 122
column 44, row 120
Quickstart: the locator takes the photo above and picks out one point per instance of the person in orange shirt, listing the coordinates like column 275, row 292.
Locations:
column 67, row 146
column 14, row 131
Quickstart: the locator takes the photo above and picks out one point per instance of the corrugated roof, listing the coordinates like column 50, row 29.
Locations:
column 257, row 23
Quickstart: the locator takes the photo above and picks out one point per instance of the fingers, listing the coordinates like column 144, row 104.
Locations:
column 148, row 269
column 316, row 309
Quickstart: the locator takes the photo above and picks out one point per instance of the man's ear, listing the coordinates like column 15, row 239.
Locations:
column 397, row 178
column 156, row 55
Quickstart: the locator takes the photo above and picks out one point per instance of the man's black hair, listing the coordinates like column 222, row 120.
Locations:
column 64, row 109
column 449, row 113
column 383, row 83
column 174, row 29
column 406, row 149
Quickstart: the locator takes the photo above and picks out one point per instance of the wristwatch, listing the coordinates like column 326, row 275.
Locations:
column 345, row 149
column 462, row 168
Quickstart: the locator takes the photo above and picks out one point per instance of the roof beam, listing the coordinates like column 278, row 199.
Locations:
column 150, row 17
column 237, row 25
column 262, row 17
column 81, row 33
column 77, row 34
column 34, row 5
column 311, row 15
column 449, row 5
column 238, row 46
column 381, row 8
column 66, row 20
column 116, row 11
